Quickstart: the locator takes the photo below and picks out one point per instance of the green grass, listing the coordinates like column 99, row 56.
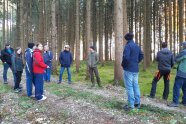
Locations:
column 146, row 112
column 107, row 77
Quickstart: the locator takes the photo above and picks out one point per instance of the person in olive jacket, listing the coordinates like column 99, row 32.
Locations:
column 92, row 61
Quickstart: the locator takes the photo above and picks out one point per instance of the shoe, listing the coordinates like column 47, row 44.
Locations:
column 152, row 97
column 5, row 82
column 172, row 104
column 127, row 108
column 59, row 82
column 137, row 106
column 93, row 85
column 69, row 82
column 32, row 96
column 184, row 104
column 42, row 99
column 17, row 90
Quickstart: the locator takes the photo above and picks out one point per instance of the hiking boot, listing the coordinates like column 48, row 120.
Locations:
column 5, row 82
column 17, row 90
column 137, row 106
column 59, row 82
column 152, row 97
column 172, row 104
column 42, row 99
column 127, row 108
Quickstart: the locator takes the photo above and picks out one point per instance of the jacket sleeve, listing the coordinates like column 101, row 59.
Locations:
column 126, row 54
column 180, row 57
column 28, row 60
column 97, row 58
column 2, row 56
column 71, row 59
column 141, row 56
column 60, row 58
column 172, row 60
column 39, row 60
column 13, row 59
column 51, row 55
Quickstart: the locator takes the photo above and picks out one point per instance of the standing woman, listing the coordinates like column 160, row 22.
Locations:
column 18, row 67
column 38, row 69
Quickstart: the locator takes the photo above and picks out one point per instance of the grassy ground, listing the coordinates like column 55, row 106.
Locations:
column 107, row 77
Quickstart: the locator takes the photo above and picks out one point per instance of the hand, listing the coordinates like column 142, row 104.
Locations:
column 48, row 66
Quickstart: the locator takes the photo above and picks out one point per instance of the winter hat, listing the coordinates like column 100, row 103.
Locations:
column 92, row 47
column 129, row 36
column 31, row 45
column 7, row 44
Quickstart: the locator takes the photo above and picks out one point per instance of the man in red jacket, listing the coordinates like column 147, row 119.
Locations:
column 38, row 69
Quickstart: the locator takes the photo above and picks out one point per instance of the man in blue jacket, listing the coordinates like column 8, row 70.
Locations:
column 165, row 61
column 29, row 69
column 48, row 56
column 65, row 60
column 6, row 57
column 132, row 56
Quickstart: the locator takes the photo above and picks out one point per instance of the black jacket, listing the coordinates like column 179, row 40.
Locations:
column 165, row 59
column 17, row 63
column 6, row 56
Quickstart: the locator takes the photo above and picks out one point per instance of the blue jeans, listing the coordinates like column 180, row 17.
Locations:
column 29, row 82
column 5, row 71
column 38, row 79
column 179, row 83
column 132, row 88
column 47, row 74
column 61, row 74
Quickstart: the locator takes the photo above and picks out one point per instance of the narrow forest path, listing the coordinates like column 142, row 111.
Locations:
column 77, row 103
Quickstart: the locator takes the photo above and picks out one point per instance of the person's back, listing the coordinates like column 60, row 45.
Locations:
column 165, row 59
column 131, row 57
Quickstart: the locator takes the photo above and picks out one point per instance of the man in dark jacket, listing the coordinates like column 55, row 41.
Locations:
column 29, row 69
column 6, row 57
column 165, row 63
column 65, row 60
column 132, row 56
column 48, row 56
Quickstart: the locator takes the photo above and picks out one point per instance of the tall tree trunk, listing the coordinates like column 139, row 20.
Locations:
column 101, row 31
column 3, row 23
column 106, row 33
column 41, row 22
column 77, row 37
column 54, row 37
column 118, row 6
column 7, row 21
column 181, row 12
column 147, row 34
column 174, row 26
column 170, row 24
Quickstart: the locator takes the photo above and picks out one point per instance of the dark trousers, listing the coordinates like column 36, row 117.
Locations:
column 5, row 71
column 92, row 71
column 166, row 78
column 38, row 80
column 29, row 82
column 18, row 75
column 178, row 84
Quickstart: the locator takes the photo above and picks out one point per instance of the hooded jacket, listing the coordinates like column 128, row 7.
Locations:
column 29, row 60
column 165, row 59
column 38, row 62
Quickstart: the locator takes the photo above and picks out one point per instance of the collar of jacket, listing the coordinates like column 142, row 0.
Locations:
column 130, row 41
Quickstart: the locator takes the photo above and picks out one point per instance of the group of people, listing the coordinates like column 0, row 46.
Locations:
column 132, row 56
column 38, row 65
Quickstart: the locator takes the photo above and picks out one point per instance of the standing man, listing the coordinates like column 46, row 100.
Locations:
column 132, row 56
column 165, row 61
column 48, row 56
column 93, row 60
column 6, row 56
column 65, row 60
column 29, row 69
column 180, row 80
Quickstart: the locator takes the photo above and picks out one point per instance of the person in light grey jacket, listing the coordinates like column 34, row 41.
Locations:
column 92, row 62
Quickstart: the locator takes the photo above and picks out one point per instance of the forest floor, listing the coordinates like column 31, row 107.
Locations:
column 78, row 104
